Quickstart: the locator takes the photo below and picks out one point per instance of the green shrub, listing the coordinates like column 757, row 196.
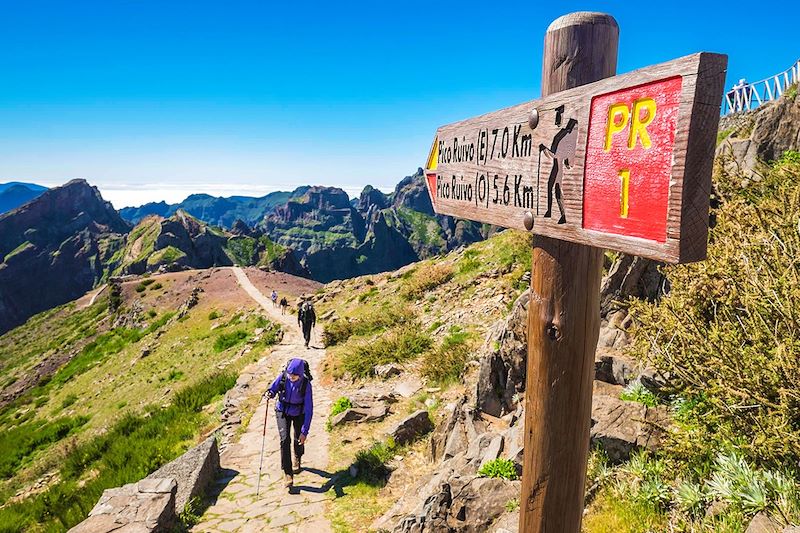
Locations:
column 341, row 405
column 228, row 340
column 503, row 468
column 728, row 331
column 22, row 440
column 636, row 392
column 156, row 286
column 213, row 315
column 378, row 319
column 426, row 278
column 152, row 313
column 791, row 92
column 394, row 346
column 69, row 400
column 191, row 514
column 446, row 364
column 512, row 505
column 141, row 287
column 371, row 463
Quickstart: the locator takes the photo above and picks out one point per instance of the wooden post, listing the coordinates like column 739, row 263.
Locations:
column 564, row 314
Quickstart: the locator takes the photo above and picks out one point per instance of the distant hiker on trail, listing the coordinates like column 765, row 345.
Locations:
column 293, row 412
column 284, row 305
column 306, row 318
column 274, row 298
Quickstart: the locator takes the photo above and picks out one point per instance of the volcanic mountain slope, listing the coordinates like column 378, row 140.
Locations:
column 55, row 248
column 223, row 212
column 183, row 241
column 338, row 239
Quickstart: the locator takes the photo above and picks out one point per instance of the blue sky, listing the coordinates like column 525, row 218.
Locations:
column 155, row 100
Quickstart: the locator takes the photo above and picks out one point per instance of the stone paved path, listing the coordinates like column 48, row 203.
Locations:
column 236, row 507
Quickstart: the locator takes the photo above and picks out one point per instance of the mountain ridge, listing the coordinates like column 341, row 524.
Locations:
column 14, row 194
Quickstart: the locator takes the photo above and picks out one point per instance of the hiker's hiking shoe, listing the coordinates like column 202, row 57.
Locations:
column 288, row 481
column 296, row 465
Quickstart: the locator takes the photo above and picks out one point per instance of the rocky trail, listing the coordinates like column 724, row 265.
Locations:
column 235, row 507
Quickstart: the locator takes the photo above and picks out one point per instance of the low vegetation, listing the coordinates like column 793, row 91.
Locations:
column 728, row 330
column 230, row 339
column 134, row 446
column 425, row 278
column 371, row 462
column 659, row 493
column 636, row 392
column 396, row 345
column 447, row 362
column 726, row 334
column 341, row 405
column 367, row 323
column 502, row 468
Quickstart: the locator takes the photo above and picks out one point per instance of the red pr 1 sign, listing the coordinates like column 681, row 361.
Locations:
column 623, row 163
column 629, row 149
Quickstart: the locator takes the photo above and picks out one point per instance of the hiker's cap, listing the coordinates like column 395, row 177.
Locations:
column 296, row 366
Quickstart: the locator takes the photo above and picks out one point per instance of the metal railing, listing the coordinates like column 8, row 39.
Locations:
column 746, row 96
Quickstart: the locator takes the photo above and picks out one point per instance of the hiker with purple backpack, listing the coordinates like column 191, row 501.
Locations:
column 293, row 413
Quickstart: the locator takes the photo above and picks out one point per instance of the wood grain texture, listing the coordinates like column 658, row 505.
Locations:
column 563, row 317
column 490, row 168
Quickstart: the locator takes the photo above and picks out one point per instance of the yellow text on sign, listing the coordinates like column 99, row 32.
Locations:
column 625, row 177
column 642, row 114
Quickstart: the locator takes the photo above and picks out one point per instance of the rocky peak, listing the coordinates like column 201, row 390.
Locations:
column 412, row 193
column 325, row 198
column 241, row 228
column 372, row 197
column 54, row 248
column 57, row 214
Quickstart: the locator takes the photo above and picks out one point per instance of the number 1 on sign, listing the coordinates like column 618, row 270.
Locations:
column 625, row 178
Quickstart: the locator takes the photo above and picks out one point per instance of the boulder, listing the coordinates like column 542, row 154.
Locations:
column 762, row 523
column 407, row 389
column 760, row 136
column 614, row 369
column 388, row 370
column 462, row 506
column 147, row 506
column 358, row 414
column 412, row 427
column 628, row 277
column 493, row 450
column 621, row 427
column 501, row 377
column 445, row 431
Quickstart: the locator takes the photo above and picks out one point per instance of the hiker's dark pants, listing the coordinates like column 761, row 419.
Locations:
column 307, row 333
column 285, row 424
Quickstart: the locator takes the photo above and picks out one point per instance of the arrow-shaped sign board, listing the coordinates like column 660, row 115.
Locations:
column 623, row 163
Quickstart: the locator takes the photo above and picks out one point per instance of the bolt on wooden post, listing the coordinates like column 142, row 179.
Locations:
column 598, row 162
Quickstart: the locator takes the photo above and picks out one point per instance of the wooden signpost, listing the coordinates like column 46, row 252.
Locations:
column 599, row 162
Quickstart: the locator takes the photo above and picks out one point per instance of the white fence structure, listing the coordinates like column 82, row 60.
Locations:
column 746, row 96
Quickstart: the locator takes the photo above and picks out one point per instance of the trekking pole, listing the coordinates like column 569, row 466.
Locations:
column 261, row 457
